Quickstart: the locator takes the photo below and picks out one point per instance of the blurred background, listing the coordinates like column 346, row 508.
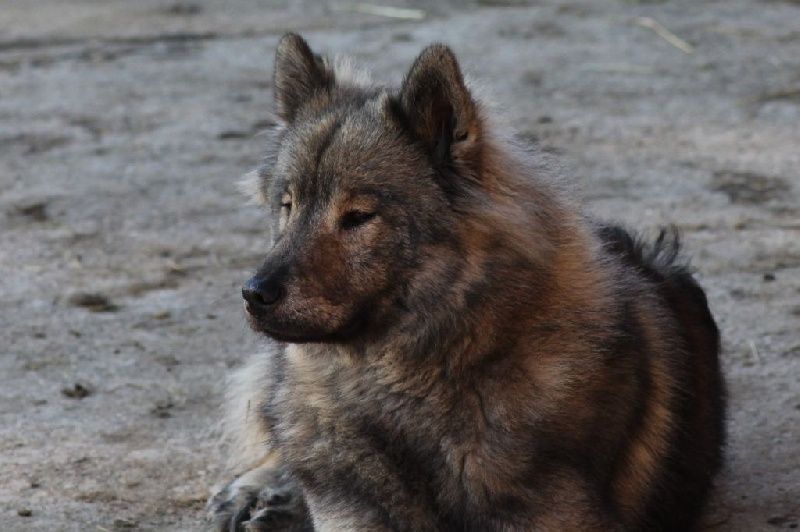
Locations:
column 124, row 126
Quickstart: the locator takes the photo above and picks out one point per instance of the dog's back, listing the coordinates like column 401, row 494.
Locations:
column 695, row 455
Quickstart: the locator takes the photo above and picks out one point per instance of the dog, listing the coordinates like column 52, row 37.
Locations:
column 456, row 345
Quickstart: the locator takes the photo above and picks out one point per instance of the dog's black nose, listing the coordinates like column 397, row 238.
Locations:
column 262, row 293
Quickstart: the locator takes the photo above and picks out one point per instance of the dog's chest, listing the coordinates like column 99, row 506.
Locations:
column 326, row 407
column 418, row 434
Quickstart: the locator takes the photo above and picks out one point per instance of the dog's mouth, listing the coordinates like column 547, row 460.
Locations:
column 292, row 333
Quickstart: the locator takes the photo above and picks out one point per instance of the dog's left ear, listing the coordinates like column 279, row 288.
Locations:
column 299, row 74
column 439, row 108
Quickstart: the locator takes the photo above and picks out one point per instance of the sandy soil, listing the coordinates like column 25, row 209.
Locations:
column 123, row 241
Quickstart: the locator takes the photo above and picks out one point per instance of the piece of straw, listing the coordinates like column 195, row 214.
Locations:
column 664, row 33
column 390, row 12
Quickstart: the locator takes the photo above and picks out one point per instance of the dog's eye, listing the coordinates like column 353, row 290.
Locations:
column 286, row 210
column 353, row 219
column 286, row 201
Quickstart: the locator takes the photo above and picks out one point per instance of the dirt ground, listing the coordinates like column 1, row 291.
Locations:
column 123, row 241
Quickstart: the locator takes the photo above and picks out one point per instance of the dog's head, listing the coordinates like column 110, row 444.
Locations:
column 364, row 185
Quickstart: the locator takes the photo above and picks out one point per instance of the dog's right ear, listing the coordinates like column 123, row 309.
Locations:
column 440, row 109
column 299, row 74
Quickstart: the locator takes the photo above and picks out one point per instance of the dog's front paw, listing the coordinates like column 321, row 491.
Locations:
column 263, row 499
column 229, row 508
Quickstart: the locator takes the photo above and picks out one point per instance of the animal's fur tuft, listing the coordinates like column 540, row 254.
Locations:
column 243, row 427
column 348, row 73
column 662, row 255
column 250, row 185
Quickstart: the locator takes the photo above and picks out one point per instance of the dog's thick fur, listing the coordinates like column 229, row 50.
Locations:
column 458, row 346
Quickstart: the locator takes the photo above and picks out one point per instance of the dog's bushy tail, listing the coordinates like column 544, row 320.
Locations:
column 656, row 259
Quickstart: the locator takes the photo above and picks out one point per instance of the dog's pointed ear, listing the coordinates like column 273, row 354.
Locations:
column 439, row 107
column 299, row 74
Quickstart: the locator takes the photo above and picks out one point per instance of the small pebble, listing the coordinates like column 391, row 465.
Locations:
column 77, row 391
column 233, row 135
column 125, row 523
column 92, row 301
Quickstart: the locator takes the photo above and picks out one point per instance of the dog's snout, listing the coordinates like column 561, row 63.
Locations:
column 261, row 293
